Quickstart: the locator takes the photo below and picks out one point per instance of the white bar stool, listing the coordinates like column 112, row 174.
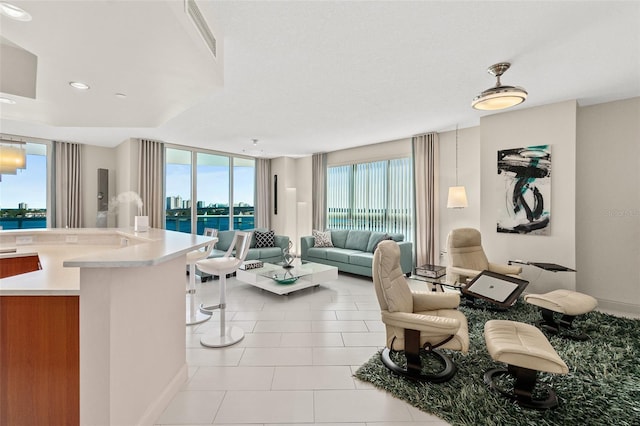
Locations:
column 194, row 316
column 222, row 266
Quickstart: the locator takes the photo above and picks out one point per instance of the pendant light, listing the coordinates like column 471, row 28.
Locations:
column 457, row 198
column 499, row 96
column 13, row 156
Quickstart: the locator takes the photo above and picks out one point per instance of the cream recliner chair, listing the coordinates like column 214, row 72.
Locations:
column 416, row 320
column 467, row 258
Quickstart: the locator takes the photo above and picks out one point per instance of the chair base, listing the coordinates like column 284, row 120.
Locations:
column 232, row 335
column 414, row 372
column 561, row 328
column 525, row 382
column 197, row 317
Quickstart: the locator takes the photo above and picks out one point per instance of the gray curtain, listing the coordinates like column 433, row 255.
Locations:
column 319, row 189
column 426, row 171
column 151, row 181
column 68, row 185
column 263, row 193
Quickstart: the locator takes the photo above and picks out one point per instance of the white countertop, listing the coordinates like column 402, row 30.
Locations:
column 63, row 251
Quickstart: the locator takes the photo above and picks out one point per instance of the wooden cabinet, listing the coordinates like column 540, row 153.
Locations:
column 39, row 360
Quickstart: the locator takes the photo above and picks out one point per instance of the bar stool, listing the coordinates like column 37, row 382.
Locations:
column 222, row 266
column 194, row 316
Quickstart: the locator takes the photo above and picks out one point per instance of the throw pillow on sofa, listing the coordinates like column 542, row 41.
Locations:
column 265, row 239
column 322, row 239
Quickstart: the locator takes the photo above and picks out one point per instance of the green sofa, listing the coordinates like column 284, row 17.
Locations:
column 352, row 251
column 265, row 254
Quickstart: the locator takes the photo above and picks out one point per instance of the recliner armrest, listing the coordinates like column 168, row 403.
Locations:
column 505, row 269
column 429, row 324
column 462, row 271
column 429, row 301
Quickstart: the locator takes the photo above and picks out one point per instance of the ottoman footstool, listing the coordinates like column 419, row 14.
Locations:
column 565, row 302
column 526, row 351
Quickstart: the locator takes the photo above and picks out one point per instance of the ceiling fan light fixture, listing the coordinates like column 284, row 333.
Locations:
column 499, row 96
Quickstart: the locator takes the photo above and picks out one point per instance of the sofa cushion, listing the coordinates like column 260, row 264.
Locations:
column 397, row 237
column 264, row 239
column 375, row 239
column 267, row 252
column 322, row 238
column 358, row 240
column 361, row 259
column 339, row 237
column 340, row 255
column 318, row 253
column 224, row 240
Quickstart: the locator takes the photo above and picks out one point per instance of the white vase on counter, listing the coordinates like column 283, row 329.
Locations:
column 141, row 224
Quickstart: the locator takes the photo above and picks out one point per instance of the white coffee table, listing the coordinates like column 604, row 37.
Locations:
column 308, row 274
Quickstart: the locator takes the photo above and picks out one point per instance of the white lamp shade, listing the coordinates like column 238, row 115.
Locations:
column 12, row 158
column 457, row 198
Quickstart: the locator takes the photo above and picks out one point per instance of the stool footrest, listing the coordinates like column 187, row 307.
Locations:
column 523, row 388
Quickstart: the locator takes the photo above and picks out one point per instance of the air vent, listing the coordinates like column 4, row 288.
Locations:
column 192, row 9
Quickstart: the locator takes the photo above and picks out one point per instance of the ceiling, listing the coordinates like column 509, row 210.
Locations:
column 304, row 77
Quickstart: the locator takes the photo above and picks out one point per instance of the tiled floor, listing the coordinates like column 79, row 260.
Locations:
column 295, row 365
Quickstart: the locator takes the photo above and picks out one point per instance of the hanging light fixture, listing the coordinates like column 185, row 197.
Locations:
column 457, row 198
column 499, row 96
column 13, row 156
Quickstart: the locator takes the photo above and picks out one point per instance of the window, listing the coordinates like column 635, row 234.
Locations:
column 23, row 196
column 220, row 182
column 376, row 196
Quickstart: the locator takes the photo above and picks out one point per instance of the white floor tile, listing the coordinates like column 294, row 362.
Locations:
column 359, row 405
column 260, row 340
column 342, row 356
column 358, row 315
column 259, row 315
column 231, row 378
column 364, row 339
column 338, row 326
column 266, row 407
column 306, row 340
column 375, row 326
column 212, row 357
column 311, row 378
column 282, row 326
column 334, row 306
column 310, row 315
column 276, row 356
column 189, row 407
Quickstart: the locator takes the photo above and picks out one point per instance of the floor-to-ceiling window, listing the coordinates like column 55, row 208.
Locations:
column 23, row 194
column 177, row 184
column 223, row 187
column 376, row 196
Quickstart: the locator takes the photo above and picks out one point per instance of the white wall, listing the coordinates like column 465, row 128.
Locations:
column 94, row 158
column 608, row 204
column 284, row 222
column 554, row 125
column 468, row 176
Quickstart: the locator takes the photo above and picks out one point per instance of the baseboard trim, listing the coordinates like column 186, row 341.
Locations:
column 156, row 408
column 618, row 308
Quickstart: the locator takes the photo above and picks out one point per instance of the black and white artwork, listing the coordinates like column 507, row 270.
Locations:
column 525, row 190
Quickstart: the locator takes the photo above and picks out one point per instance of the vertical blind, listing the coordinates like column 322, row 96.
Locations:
column 374, row 196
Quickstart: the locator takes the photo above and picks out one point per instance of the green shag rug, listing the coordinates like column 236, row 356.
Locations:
column 602, row 387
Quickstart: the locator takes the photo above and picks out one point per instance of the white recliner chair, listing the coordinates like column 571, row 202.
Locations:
column 221, row 266
column 416, row 321
column 467, row 258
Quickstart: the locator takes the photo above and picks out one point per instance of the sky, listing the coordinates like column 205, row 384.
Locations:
column 28, row 186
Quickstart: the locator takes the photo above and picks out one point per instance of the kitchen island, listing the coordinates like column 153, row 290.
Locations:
column 96, row 336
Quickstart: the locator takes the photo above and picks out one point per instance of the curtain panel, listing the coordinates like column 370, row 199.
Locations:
column 426, row 171
column 151, row 181
column 263, row 193
column 319, row 188
column 68, row 185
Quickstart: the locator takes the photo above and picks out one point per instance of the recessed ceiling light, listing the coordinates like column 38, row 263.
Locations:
column 120, row 95
column 14, row 12
column 78, row 85
column 4, row 100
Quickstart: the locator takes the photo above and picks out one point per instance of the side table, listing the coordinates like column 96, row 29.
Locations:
column 433, row 274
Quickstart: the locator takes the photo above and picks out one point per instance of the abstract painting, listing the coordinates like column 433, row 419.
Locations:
column 525, row 190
